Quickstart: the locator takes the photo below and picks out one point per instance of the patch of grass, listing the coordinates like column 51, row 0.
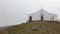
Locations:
column 26, row 28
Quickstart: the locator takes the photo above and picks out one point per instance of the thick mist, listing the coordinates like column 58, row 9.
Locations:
column 16, row 11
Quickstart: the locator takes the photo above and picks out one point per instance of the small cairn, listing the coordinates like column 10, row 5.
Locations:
column 35, row 28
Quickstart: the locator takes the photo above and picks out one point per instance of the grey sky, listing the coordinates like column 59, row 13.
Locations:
column 16, row 11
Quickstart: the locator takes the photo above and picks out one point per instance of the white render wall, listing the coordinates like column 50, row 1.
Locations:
column 46, row 15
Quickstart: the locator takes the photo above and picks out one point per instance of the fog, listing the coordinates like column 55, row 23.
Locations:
column 14, row 12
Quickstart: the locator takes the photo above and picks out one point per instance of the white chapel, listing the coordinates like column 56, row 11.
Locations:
column 42, row 15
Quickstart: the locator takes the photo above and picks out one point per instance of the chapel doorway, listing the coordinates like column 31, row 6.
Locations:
column 30, row 18
column 41, row 17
